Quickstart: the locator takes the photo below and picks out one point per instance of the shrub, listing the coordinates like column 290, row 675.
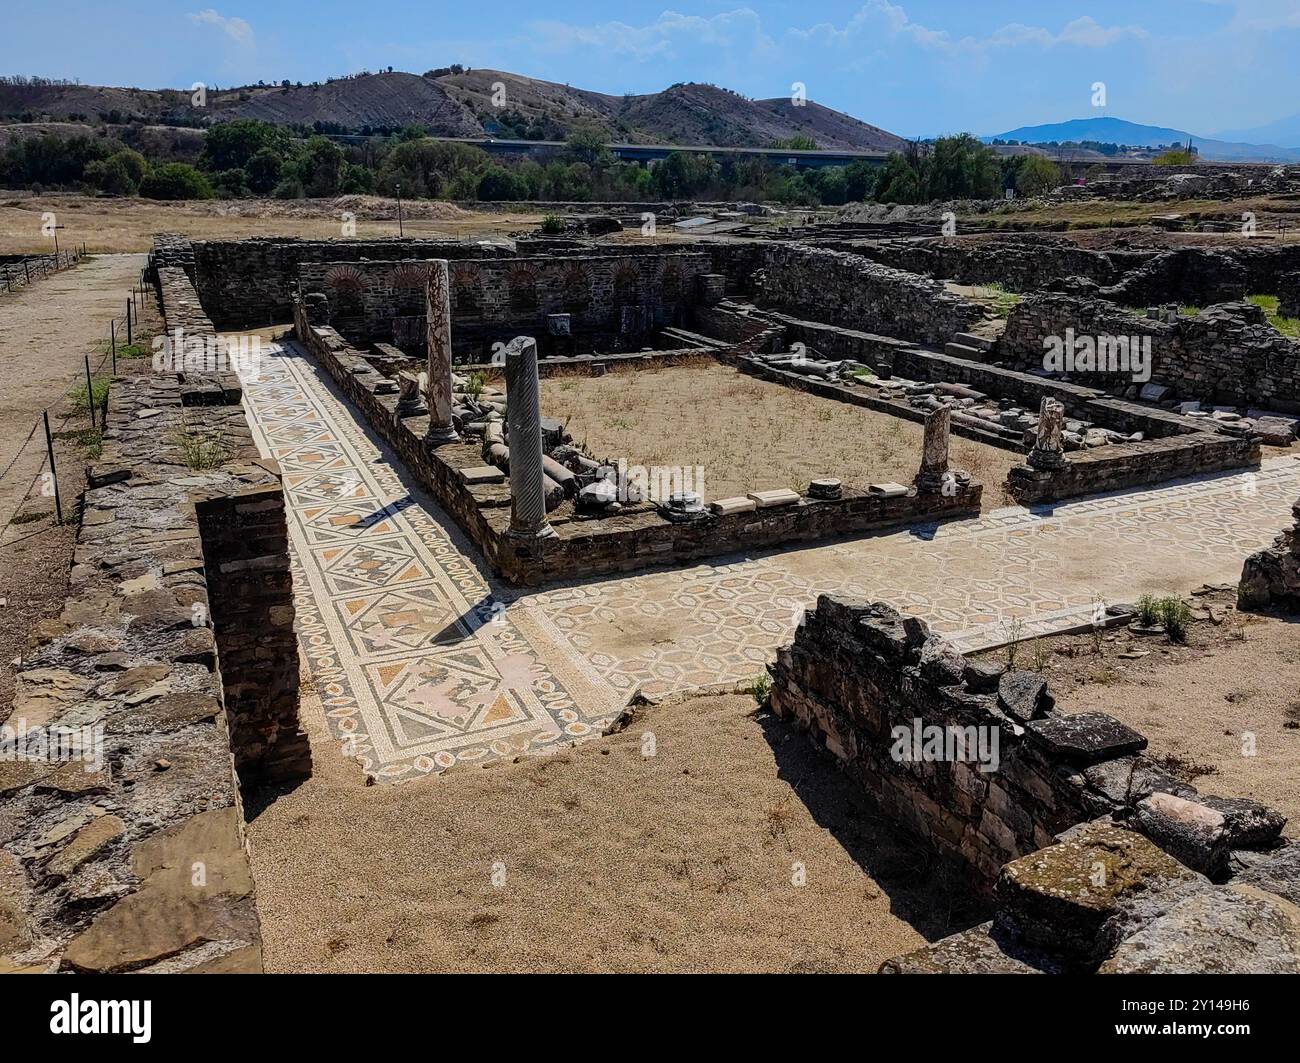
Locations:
column 232, row 184
column 290, row 188
column 112, row 176
column 176, row 180
column 1148, row 611
column 552, row 224
column 1175, row 616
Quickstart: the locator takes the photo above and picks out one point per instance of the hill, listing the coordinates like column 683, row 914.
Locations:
column 1118, row 131
column 461, row 104
column 682, row 114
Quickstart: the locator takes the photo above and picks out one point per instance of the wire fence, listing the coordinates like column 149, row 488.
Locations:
column 19, row 273
column 86, row 398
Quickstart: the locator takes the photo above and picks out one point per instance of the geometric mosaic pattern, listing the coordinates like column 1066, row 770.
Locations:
column 419, row 659
column 1011, row 572
column 423, row 660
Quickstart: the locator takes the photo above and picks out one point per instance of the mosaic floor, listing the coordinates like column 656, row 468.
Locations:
column 423, row 660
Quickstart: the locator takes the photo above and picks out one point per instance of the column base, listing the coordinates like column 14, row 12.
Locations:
column 436, row 437
column 544, row 532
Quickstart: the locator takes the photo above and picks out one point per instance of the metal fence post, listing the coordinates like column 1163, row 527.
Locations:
column 90, row 393
column 54, row 472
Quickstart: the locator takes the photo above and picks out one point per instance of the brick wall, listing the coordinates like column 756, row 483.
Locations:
column 249, row 283
column 493, row 301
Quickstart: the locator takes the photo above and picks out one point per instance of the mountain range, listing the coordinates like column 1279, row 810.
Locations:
column 471, row 103
column 1118, row 131
column 455, row 102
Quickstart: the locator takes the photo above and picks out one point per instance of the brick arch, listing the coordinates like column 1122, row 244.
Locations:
column 345, row 279
column 627, row 284
column 576, row 288
column 409, row 275
column 523, row 288
column 465, row 293
column 671, row 282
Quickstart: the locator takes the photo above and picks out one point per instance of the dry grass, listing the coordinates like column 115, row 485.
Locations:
column 122, row 225
column 749, row 434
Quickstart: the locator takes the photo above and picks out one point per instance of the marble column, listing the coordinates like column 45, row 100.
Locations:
column 437, row 395
column 1048, row 452
column 934, row 451
column 524, row 437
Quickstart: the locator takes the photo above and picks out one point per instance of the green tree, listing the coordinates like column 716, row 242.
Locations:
column 231, row 184
column 264, row 169
column 229, row 145
column 898, row 181
column 680, row 174
column 111, row 175
column 176, row 180
column 1175, row 157
column 960, row 167
column 1036, row 175
column 587, row 145
column 499, row 183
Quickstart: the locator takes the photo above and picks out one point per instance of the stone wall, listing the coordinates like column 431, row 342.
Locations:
column 1125, row 465
column 895, row 703
column 1174, row 446
column 854, row 292
column 584, row 547
column 1226, row 354
column 1200, row 276
column 1021, row 263
column 131, row 856
column 1270, row 578
column 250, row 283
column 493, row 301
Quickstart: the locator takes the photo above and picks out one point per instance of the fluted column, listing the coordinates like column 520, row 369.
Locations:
column 437, row 395
column 524, row 425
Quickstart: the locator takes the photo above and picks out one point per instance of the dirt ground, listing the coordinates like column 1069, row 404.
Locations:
column 606, row 860
column 121, row 225
column 46, row 329
column 749, row 434
column 1196, row 702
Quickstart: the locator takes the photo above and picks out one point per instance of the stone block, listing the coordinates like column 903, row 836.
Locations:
column 1060, row 899
column 724, row 506
column 780, row 496
column 482, row 474
column 1231, row 930
column 1086, row 737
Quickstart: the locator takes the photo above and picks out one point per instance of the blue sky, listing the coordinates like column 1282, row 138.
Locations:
column 914, row 66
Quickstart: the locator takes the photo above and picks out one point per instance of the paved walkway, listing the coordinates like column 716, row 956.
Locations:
column 423, row 660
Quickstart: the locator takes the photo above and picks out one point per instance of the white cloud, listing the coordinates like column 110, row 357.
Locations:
column 236, row 29
column 880, row 16
column 665, row 37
